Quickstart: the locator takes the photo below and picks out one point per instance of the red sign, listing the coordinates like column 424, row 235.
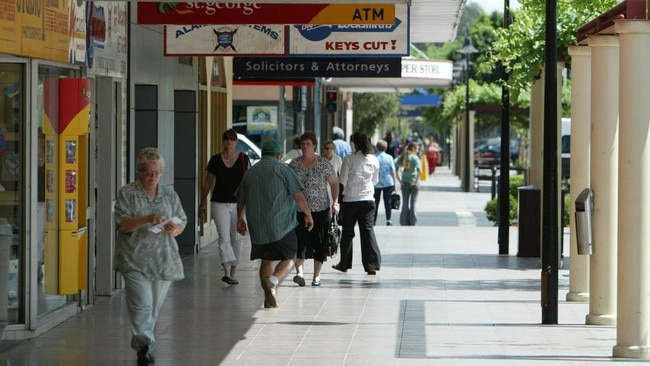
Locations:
column 264, row 13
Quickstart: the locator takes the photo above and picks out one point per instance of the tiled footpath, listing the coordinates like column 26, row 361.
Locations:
column 442, row 297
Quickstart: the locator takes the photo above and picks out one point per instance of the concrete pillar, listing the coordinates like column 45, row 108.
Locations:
column 536, row 132
column 633, row 313
column 604, row 179
column 580, row 163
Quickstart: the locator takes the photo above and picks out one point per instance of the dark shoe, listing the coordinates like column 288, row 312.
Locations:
column 372, row 271
column 339, row 268
column 270, row 300
column 144, row 357
column 227, row 280
column 299, row 280
column 388, row 223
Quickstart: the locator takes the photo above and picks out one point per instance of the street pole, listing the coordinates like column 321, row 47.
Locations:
column 550, row 182
column 468, row 150
column 504, row 177
column 467, row 50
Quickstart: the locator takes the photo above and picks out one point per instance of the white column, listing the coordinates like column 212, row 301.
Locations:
column 580, row 163
column 604, row 179
column 536, row 132
column 633, row 313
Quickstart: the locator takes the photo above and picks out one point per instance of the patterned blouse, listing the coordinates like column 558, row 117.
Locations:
column 155, row 255
column 315, row 182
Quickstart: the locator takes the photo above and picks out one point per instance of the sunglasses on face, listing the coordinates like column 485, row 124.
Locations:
column 229, row 138
column 152, row 174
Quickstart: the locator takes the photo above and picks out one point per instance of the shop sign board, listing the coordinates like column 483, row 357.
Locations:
column 309, row 67
column 184, row 13
column 300, row 40
column 353, row 39
column 251, row 39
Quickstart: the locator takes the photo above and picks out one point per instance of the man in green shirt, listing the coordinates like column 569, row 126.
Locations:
column 266, row 206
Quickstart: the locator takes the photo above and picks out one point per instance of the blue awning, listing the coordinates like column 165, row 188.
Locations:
column 428, row 100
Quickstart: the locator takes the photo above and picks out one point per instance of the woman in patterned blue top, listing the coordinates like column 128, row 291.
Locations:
column 316, row 174
column 148, row 260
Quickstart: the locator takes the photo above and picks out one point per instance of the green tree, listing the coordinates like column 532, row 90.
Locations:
column 373, row 111
column 521, row 46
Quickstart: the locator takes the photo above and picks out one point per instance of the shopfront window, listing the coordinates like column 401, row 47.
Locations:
column 12, row 174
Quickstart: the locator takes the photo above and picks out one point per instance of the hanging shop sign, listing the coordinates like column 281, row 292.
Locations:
column 264, row 13
column 252, row 39
column 300, row 40
column 308, row 67
column 106, row 42
column 353, row 40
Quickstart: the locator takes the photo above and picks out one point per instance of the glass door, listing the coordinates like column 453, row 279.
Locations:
column 12, row 182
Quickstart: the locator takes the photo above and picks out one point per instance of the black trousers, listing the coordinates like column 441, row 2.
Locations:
column 362, row 213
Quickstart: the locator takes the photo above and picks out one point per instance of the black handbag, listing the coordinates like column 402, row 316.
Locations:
column 395, row 201
column 333, row 237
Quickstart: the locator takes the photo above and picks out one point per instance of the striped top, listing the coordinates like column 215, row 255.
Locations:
column 267, row 192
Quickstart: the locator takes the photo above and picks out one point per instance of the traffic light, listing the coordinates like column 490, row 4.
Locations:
column 330, row 100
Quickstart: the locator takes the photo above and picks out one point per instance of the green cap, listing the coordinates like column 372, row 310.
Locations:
column 271, row 147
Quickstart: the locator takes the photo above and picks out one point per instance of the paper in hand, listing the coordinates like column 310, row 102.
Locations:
column 161, row 226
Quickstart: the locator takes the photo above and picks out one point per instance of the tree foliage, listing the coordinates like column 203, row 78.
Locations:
column 520, row 47
column 373, row 111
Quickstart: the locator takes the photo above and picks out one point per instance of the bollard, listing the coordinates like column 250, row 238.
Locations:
column 584, row 209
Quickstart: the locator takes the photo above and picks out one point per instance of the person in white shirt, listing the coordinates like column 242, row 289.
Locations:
column 359, row 174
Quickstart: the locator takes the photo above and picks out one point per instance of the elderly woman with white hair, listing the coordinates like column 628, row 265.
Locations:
column 148, row 216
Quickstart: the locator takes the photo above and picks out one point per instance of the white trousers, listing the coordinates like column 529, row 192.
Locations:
column 225, row 218
column 144, row 298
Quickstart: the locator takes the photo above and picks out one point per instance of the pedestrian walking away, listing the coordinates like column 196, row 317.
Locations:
column 148, row 217
column 359, row 174
column 386, row 184
column 266, row 206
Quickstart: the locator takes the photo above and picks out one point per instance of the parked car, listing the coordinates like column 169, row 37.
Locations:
column 489, row 152
column 249, row 148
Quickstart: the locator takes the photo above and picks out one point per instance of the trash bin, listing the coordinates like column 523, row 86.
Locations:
column 529, row 221
column 584, row 234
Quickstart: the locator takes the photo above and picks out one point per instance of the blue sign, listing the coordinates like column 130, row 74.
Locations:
column 409, row 113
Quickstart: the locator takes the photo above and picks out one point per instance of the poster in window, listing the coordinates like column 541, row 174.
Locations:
column 49, row 210
column 70, row 210
column 70, row 152
column 50, row 181
column 70, row 181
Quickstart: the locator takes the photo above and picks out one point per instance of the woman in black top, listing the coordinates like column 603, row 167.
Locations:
column 225, row 171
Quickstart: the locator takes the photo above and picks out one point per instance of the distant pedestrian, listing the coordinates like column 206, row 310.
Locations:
column 294, row 152
column 386, row 184
column 343, row 148
column 432, row 155
column 329, row 153
column 266, row 205
column 410, row 166
column 359, row 174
